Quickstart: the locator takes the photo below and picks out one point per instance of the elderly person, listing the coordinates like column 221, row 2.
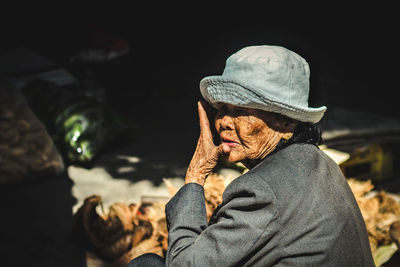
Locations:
column 293, row 207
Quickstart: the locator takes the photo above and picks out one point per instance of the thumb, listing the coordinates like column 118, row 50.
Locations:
column 216, row 154
column 223, row 149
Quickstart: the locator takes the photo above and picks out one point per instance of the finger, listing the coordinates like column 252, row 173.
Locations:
column 204, row 122
column 221, row 150
column 211, row 113
column 208, row 108
column 225, row 148
column 217, row 153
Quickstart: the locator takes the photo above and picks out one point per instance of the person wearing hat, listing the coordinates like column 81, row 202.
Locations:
column 294, row 206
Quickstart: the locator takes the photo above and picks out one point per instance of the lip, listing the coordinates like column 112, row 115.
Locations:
column 230, row 142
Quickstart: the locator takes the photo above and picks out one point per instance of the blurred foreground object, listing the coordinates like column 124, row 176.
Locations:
column 122, row 233
column 381, row 213
column 127, row 231
column 346, row 127
column 374, row 161
column 26, row 149
column 80, row 126
column 369, row 143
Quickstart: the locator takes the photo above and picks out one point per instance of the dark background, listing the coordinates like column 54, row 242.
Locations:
column 351, row 49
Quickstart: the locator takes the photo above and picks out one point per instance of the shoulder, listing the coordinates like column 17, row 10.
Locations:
column 296, row 170
column 298, row 158
column 273, row 167
column 297, row 153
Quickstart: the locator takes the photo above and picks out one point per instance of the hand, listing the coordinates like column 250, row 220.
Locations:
column 206, row 154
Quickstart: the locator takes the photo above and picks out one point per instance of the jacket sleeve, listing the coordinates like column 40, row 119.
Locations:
column 236, row 229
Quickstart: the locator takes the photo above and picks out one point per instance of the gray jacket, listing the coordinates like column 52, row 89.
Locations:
column 295, row 208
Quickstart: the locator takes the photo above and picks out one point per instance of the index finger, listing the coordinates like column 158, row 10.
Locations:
column 204, row 122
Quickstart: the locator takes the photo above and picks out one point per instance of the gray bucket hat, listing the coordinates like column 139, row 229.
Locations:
column 270, row 78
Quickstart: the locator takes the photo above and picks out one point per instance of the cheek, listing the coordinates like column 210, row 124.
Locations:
column 253, row 135
column 250, row 131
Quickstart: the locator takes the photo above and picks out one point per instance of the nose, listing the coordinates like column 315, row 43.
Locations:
column 223, row 122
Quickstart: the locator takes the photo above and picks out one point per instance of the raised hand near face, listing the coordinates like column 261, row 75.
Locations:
column 207, row 153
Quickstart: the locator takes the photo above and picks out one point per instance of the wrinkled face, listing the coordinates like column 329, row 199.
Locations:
column 250, row 133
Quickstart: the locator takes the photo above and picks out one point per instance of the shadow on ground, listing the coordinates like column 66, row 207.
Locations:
column 36, row 224
column 163, row 139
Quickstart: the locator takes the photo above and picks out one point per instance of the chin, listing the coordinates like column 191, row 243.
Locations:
column 234, row 157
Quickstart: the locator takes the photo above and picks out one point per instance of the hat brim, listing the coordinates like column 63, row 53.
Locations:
column 216, row 90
